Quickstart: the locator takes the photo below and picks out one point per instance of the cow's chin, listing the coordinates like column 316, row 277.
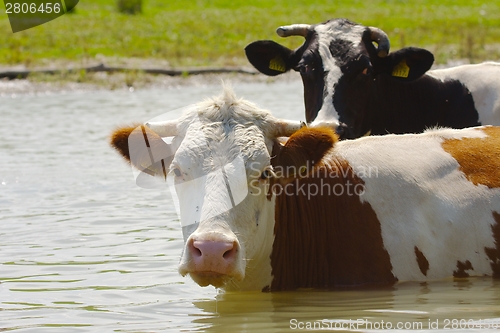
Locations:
column 215, row 279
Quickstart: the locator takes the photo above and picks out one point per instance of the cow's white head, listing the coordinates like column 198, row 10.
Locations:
column 220, row 159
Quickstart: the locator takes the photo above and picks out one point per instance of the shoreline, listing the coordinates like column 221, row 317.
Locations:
column 63, row 79
column 121, row 81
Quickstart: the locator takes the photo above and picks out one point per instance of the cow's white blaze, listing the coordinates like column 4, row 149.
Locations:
column 326, row 34
column 226, row 186
column 200, row 195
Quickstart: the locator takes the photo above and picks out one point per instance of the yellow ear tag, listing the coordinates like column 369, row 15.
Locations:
column 277, row 64
column 401, row 69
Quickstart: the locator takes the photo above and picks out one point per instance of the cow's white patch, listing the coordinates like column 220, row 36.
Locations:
column 422, row 199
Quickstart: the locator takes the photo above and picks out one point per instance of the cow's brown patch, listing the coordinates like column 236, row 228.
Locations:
column 460, row 272
column 494, row 253
column 329, row 239
column 422, row 262
column 143, row 148
column 479, row 159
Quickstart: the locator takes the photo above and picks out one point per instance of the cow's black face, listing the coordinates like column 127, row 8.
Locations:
column 339, row 65
column 322, row 60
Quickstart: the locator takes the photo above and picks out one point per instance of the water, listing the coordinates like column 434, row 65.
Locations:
column 83, row 249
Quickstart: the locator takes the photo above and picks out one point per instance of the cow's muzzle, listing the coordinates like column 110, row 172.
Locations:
column 211, row 262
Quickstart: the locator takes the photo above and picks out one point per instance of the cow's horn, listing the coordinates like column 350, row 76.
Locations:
column 164, row 128
column 287, row 127
column 293, row 30
column 382, row 40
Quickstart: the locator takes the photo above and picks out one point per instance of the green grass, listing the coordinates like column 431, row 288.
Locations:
column 214, row 33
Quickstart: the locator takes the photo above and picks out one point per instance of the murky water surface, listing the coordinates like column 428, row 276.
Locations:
column 83, row 249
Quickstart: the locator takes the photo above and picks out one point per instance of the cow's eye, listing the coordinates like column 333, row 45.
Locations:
column 177, row 172
column 306, row 69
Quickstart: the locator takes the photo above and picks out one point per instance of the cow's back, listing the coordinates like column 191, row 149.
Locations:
column 383, row 209
column 438, row 203
column 482, row 80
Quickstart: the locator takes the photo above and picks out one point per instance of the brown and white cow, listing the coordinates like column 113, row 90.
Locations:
column 364, row 88
column 319, row 213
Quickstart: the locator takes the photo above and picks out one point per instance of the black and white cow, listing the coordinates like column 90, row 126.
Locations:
column 362, row 88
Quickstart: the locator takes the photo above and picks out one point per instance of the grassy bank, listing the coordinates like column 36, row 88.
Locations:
column 214, row 33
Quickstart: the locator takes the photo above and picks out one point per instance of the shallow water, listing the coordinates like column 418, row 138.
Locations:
column 83, row 249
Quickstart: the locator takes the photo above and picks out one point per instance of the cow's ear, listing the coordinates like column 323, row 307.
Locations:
column 143, row 148
column 408, row 64
column 303, row 151
column 270, row 58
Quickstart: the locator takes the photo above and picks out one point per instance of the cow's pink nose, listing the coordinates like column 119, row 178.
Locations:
column 214, row 257
column 213, row 250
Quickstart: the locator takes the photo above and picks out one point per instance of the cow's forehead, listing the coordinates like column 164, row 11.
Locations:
column 226, row 135
column 224, row 128
column 341, row 30
column 225, row 110
column 211, row 145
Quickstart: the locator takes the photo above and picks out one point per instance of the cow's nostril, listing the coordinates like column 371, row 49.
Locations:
column 229, row 254
column 197, row 252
